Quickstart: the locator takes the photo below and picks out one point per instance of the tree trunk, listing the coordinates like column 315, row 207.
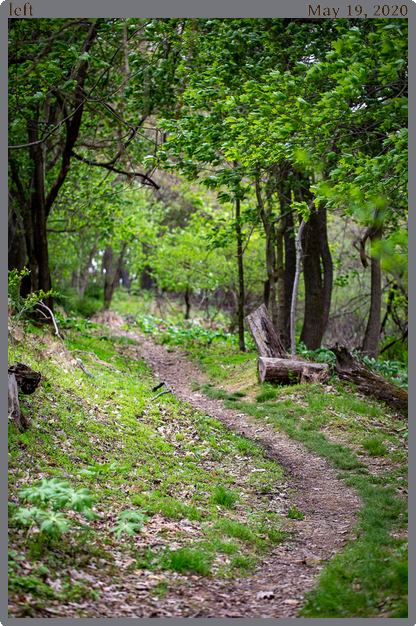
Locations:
column 146, row 280
column 313, row 328
column 270, row 257
column 291, row 371
column 290, row 272
column 240, row 305
column 16, row 241
column 280, row 278
column 83, row 275
column 326, row 264
column 263, row 332
column 36, row 209
column 187, row 303
column 112, row 276
column 368, row 382
column 266, row 293
column 295, row 289
column 372, row 331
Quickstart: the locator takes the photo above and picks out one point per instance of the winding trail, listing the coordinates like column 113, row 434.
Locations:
column 276, row 589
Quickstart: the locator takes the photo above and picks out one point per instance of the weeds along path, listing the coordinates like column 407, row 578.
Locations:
column 277, row 587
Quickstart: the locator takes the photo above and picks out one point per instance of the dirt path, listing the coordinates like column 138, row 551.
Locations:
column 277, row 587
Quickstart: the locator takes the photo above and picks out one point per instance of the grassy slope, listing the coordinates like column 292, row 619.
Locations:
column 176, row 463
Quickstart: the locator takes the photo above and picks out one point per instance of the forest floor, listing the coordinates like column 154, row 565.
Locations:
column 278, row 586
column 245, row 520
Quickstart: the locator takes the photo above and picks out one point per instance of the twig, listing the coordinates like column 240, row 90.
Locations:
column 168, row 389
column 54, row 323
column 84, row 369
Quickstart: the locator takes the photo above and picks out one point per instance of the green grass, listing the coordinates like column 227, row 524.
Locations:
column 224, row 497
column 188, row 560
column 369, row 577
column 372, row 559
column 230, row 528
column 294, row 513
column 174, row 464
column 375, row 446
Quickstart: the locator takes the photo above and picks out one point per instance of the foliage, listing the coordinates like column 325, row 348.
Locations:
column 130, row 522
column 48, row 497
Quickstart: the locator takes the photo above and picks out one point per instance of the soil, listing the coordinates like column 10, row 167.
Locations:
column 278, row 586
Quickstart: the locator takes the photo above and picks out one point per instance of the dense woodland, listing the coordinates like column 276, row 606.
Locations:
column 182, row 192
column 211, row 161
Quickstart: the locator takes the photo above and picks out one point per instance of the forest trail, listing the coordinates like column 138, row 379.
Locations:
column 277, row 587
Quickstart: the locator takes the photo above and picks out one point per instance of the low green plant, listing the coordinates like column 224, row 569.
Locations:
column 224, row 497
column 294, row 513
column 235, row 529
column 47, row 498
column 97, row 470
column 188, row 559
column 375, row 446
column 129, row 522
column 266, row 394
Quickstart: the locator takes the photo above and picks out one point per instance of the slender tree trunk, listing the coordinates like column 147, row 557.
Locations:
column 326, row 264
column 372, row 331
column 266, row 293
column 112, row 276
column 16, row 241
column 290, row 271
column 83, row 277
column 280, row 278
column 270, row 258
column 38, row 208
column 240, row 306
column 313, row 329
column 295, row 289
column 187, row 303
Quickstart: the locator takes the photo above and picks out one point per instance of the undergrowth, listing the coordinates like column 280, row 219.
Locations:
column 368, row 578
column 155, row 469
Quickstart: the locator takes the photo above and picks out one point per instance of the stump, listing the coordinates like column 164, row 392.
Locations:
column 261, row 327
column 14, row 410
column 291, row 371
column 27, row 379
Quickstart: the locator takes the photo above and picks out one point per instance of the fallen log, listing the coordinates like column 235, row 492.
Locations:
column 261, row 327
column 291, row 370
column 368, row 382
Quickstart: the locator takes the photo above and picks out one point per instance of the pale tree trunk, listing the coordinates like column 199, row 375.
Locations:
column 290, row 271
column 295, row 289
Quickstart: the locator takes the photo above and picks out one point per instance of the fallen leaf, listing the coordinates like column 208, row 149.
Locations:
column 290, row 601
column 264, row 595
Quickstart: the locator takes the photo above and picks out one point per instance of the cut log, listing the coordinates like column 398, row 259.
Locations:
column 368, row 382
column 292, row 371
column 15, row 413
column 27, row 379
column 261, row 327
